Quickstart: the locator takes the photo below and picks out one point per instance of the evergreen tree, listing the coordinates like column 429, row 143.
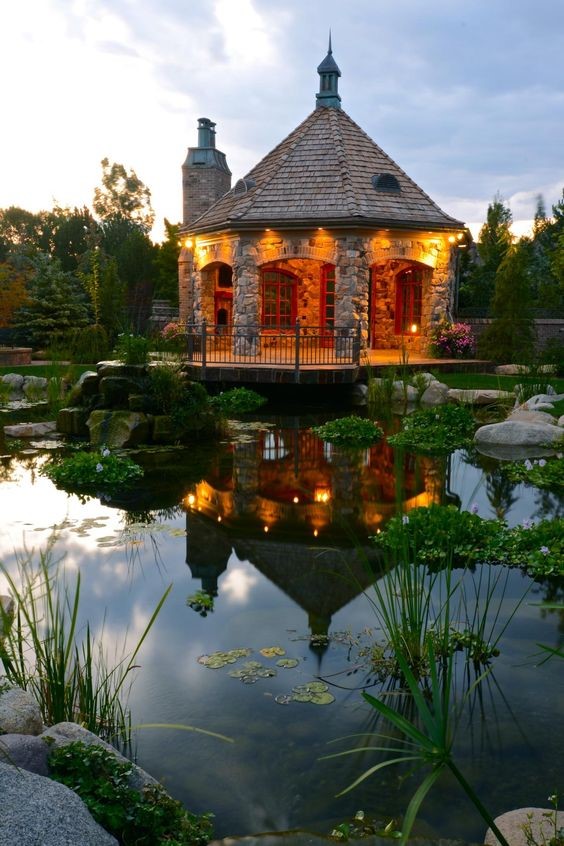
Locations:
column 55, row 305
column 494, row 241
column 99, row 275
column 166, row 285
column 510, row 337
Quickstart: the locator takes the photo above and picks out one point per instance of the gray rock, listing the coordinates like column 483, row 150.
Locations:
column 479, row 396
column 511, row 369
column 62, row 734
column 359, row 393
column 526, row 416
column 14, row 380
column 117, row 429
column 72, row 421
column 30, row 430
column 6, row 612
column 518, row 433
column 511, row 826
column 36, row 810
column 19, row 712
column 33, row 386
column 436, row 393
column 428, row 378
column 542, row 399
column 405, row 393
column 25, row 751
column 561, row 420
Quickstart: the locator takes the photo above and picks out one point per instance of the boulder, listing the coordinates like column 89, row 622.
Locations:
column 526, row 416
column 36, row 810
column 436, row 393
column 359, row 393
column 428, row 378
column 480, row 396
column 404, row 392
column 511, row 369
column 519, row 433
column 15, row 381
column 19, row 712
column 539, row 821
column 30, row 430
column 26, row 751
column 542, row 399
column 62, row 734
column 72, row 421
column 34, row 386
column 117, row 429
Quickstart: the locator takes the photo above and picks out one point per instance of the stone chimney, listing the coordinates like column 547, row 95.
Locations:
column 205, row 174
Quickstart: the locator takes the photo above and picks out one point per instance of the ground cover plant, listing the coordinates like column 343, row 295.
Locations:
column 149, row 817
column 86, row 471
column 436, row 430
column 237, row 401
column 349, row 431
column 542, row 472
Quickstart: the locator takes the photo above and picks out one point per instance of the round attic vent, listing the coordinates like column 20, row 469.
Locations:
column 386, row 182
column 243, row 185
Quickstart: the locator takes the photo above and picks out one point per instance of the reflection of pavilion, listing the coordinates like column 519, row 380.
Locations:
column 302, row 512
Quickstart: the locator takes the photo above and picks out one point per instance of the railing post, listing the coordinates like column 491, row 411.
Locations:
column 190, row 341
column 204, row 339
column 356, row 344
column 297, row 359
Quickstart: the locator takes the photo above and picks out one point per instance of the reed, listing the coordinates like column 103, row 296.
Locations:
column 70, row 674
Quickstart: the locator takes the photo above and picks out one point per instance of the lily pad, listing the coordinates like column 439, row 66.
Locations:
column 322, row 698
column 287, row 663
column 302, row 697
column 272, row 651
column 283, row 699
column 317, row 687
column 266, row 673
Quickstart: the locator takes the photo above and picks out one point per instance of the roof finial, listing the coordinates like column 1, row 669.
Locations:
column 329, row 74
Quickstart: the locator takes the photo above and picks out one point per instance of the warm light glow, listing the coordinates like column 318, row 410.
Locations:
column 296, row 499
column 219, row 519
column 315, row 533
column 266, row 528
column 267, row 230
column 413, row 328
column 451, row 239
column 188, row 243
column 322, row 494
column 460, row 236
column 191, row 499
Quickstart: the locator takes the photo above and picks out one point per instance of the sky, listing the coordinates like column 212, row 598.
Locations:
column 467, row 98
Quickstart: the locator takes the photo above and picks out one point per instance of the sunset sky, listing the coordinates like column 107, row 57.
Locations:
column 467, row 98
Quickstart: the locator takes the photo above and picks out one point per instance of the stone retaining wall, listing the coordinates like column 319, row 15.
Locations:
column 547, row 330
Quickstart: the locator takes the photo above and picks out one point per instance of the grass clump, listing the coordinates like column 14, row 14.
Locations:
column 149, row 817
column 237, row 401
column 436, row 430
column 71, row 678
column 92, row 471
column 132, row 349
column 350, row 431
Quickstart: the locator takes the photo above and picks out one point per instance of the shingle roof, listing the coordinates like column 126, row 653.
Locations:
column 322, row 172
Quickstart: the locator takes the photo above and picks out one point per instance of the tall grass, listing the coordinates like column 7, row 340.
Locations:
column 67, row 670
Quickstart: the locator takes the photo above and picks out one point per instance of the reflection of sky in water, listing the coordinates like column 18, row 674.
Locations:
column 271, row 776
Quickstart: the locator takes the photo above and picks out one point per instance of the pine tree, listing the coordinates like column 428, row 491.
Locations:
column 494, row 241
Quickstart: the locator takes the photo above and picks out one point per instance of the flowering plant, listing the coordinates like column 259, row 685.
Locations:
column 452, row 340
column 173, row 330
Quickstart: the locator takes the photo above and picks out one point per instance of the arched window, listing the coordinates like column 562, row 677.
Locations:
column 278, row 297
column 409, row 298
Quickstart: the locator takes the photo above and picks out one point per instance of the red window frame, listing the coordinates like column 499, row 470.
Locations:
column 409, row 301
column 279, row 297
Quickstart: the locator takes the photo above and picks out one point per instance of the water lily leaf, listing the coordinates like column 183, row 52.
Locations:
column 238, row 674
column 249, row 679
column 253, row 665
column 287, row 663
column 322, row 698
column 302, row 697
column 266, row 672
column 272, row 651
column 300, row 688
column 283, row 698
column 317, row 687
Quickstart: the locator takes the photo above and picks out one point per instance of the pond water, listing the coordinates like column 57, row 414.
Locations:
column 276, row 525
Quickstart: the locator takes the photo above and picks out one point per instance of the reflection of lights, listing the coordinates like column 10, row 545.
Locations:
column 296, row 500
column 219, row 519
column 315, row 533
column 322, row 494
column 191, row 499
column 266, row 529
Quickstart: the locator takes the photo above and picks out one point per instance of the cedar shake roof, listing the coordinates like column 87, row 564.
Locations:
column 322, row 174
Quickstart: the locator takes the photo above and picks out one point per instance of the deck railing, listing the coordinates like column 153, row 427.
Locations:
column 296, row 347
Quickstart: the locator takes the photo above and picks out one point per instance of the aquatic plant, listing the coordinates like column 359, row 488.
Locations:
column 147, row 817
column 71, row 678
column 437, row 430
column 92, row 471
column 237, row 401
column 349, row 431
column 200, row 601
column 542, row 473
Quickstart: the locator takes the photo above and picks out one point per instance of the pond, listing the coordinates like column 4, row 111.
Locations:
column 276, row 525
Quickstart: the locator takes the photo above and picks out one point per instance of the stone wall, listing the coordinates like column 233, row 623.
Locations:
column 548, row 331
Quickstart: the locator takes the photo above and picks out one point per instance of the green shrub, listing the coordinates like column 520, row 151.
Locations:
column 436, row 430
column 149, row 817
column 349, row 431
column 132, row 349
column 542, row 473
column 92, row 471
column 90, row 344
column 237, row 401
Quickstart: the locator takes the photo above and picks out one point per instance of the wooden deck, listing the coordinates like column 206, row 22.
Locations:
column 304, row 355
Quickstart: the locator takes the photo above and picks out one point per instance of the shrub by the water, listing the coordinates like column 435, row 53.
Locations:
column 436, row 430
column 149, row 817
column 92, row 471
column 542, row 473
column 349, row 431
column 237, row 401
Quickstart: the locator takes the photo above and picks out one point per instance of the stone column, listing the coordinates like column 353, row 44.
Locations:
column 351, row 289
column 439, row 303
column 246, row 299
column 186, row 285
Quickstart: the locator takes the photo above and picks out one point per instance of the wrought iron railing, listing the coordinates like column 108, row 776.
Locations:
column 296, row 347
